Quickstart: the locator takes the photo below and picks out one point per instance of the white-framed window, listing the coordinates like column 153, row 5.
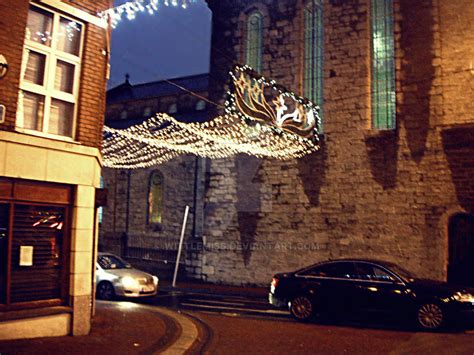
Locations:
column 51, row 66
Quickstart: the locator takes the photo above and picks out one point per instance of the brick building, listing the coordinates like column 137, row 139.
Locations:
column 394, row 176
column 145, row 207
column 54, row 100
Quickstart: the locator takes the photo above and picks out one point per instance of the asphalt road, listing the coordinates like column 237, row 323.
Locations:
column 237, row 324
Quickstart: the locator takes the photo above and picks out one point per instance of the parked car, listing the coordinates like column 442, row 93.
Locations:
column 117, row 278
column 343, row 287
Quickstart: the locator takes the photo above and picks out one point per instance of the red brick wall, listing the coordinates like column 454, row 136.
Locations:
column 12, row 33
column 94, row 62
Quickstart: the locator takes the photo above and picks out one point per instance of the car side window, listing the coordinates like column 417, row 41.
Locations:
column 371, row 272
column 340, row 270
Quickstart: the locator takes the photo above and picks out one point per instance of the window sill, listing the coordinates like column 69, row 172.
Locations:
column 46, row 135
column 379, row 133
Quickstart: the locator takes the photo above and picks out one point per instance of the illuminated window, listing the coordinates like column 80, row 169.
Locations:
column 155, row 198
column 147, row 112
column 254, row 41
column 383, row 65
column 173, row 108
column 200, row 105
column 314, row 55
column 50, row 73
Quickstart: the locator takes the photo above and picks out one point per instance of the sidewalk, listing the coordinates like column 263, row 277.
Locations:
column 204, row 287
column 118, row 328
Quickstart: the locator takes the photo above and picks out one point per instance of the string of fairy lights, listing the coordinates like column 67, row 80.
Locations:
column 253, row 132
column 250, row 125
column 130, row 9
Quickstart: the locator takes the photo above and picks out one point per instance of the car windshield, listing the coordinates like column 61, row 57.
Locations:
column 408, row 276
column 109, row 262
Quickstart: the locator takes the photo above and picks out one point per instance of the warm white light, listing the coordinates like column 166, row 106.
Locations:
column 270, row 133
column 130, row 9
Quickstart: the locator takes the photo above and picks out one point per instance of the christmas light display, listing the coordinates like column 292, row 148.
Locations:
column 255, row 123
column 131, row 8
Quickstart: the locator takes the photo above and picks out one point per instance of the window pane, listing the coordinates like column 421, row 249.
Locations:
column 254, row 41
column 343, row 270
column 314, row 55
column 60, row 118
column 372, row 273
column 383, row 65
column 39, row 27
column 69, row 36
column 155, row 198
column 35, row 68
column 200, row 105
column 64, row 80
column 33, row 108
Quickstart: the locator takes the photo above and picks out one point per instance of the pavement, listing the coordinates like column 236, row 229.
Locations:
column 203, row 287
column 133, row 328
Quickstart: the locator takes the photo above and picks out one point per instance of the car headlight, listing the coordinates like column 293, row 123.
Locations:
column 463, row 297
column 129, row 282
column 155, row 280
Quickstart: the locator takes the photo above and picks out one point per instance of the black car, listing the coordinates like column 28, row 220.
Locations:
column 361, row 287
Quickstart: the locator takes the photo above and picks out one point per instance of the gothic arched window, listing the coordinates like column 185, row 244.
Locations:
column 155, row 198
column 314, row 55
column 383, row 65
column 253, row 55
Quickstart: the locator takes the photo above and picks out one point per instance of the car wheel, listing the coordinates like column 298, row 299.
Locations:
column 302, row 308
column 105, row 291
column 430, row 316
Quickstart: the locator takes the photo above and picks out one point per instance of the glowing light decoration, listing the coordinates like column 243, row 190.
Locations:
column 250, row 99
column 131, row 8
column 252, row 124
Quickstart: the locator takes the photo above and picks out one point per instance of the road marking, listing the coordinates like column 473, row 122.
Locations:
column 265, row 311
column 217, row 302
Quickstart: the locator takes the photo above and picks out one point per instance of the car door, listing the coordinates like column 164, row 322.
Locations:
column 331, row 285
column 379, row 290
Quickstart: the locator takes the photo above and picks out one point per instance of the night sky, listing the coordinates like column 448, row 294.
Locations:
column 171, row 43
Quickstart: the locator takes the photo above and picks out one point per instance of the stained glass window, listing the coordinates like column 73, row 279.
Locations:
column 383, row 65
column 155, row 198
column 254, row 41
column 314, row 55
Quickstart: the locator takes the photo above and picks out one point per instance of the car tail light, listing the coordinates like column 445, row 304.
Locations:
column 275, row 282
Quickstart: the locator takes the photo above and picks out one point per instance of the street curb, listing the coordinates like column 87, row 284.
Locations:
column 212, row 292
column 189, row 332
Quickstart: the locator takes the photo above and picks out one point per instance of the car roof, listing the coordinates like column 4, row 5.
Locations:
column 371, row 261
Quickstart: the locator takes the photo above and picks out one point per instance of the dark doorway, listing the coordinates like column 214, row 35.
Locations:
column 3, row 250
column 461, row 250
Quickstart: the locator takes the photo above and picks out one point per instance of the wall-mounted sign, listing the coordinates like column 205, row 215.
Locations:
column 3, row 111
column 3, row 66
column 26, row 255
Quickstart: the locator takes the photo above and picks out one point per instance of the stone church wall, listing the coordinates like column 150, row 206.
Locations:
column 371, row 194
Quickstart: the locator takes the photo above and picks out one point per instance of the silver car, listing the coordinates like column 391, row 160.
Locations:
column 117, row 278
